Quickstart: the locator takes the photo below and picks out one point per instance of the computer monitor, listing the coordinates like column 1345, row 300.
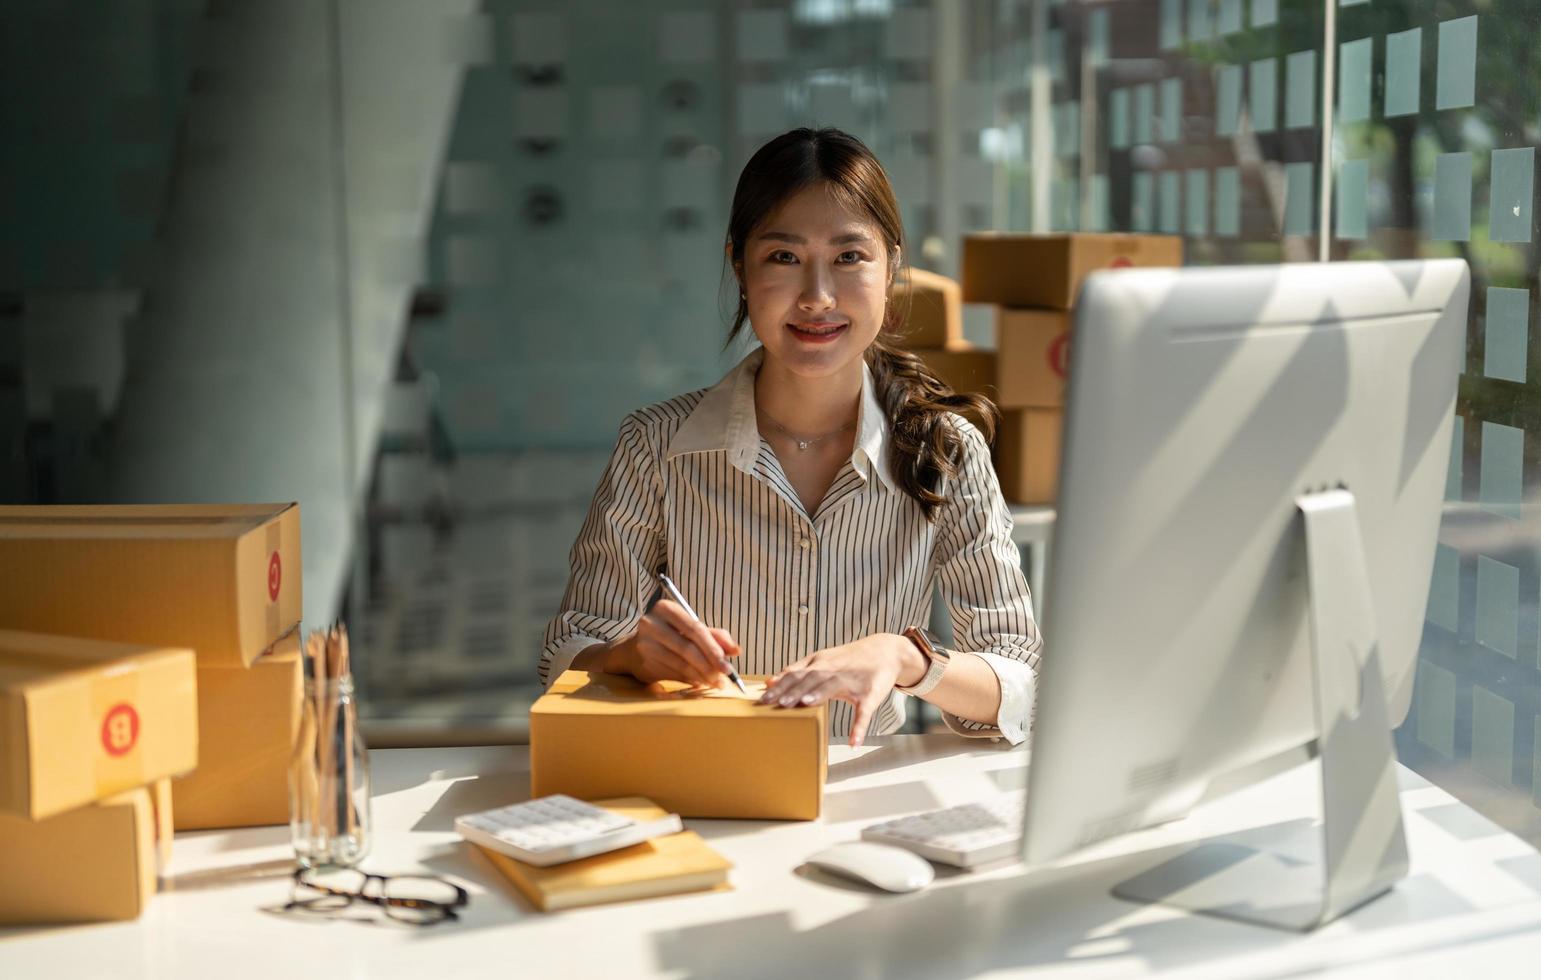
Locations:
column 1203, row 612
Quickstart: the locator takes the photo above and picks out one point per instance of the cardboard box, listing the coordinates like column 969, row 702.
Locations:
column 966, row 372
column 1027, row 454
column 1032, row 358
column 91, row 864
column 596, row 736
column 223, row 580
column 247, row 721
column 963, row 371
column 81, row 720
column 1047, row 270
column 935, row 310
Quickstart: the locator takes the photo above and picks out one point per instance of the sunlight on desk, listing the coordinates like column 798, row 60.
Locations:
column 1472, row 904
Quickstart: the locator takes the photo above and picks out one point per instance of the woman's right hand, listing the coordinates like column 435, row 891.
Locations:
column 669, row 645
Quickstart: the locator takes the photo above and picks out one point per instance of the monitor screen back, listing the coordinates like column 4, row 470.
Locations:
column 1202, row 403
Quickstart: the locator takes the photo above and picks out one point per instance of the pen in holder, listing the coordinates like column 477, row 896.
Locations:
column 329, row 820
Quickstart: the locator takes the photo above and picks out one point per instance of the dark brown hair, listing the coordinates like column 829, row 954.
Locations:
column 924, row 449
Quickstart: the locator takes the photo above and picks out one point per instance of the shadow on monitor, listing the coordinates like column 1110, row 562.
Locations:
column 1255, row 460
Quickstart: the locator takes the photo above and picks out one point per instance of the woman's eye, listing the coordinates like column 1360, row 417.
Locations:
column 782, row 256
column 848, row 258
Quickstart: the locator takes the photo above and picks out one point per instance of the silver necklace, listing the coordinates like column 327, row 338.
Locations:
column 804, row 443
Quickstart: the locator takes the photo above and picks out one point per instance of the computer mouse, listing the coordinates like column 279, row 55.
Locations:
column 881, row 865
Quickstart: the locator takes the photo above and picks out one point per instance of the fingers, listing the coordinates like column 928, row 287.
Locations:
column 682, row 623
column 725, row 640
column 672, row 628
column 809, row 687
column 806, row 687
column 667, row 664
column 672, row 656
column 790, row 693
column 864, row 710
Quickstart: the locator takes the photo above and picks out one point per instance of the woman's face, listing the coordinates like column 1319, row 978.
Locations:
column 815, row 276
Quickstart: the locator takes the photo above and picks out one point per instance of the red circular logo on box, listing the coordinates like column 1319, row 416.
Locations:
column 1122, row 262
column 120, row 730
column 1059, row 355
column 275, row 576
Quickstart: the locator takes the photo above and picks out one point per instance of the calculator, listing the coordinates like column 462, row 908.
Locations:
column 558, row 828
column 965, row 836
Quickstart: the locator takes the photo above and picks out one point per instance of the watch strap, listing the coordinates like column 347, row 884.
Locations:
column 935, row 666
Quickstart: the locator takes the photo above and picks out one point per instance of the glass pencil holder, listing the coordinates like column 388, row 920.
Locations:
column 329, row 819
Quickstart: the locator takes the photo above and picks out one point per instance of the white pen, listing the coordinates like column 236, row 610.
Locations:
column 674, row 593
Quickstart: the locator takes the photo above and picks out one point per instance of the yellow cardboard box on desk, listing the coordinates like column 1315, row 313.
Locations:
column 90, row 864
column 81, row 720
column 221, row 579
column 713, row 754
column 247, row 719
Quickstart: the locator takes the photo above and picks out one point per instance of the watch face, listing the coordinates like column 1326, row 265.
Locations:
column 934, row 647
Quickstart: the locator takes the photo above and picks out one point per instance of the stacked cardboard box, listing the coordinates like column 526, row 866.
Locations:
column 91, row 733
column 933, row 305
column 247, row 721
column 222, row 579
column 221, row 582
column 1033, row 280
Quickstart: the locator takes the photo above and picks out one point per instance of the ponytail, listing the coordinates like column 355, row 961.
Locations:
column 925, row 447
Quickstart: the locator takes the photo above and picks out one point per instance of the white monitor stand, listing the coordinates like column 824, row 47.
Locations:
column 1296, row 876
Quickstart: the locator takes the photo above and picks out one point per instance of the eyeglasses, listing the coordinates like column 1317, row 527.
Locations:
column 419, row 900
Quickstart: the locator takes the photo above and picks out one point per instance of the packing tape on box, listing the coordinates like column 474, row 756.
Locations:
column 115, row 705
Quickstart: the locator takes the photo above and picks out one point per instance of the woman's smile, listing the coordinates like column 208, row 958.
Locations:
column 818, row 331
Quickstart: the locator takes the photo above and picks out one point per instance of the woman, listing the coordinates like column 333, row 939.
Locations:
column 808, row 503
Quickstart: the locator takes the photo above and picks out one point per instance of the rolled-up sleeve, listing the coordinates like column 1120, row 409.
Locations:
column 980, row 572
column 615, row 557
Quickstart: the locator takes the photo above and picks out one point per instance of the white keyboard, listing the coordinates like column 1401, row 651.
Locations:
column 557, row 828
column 965, row 836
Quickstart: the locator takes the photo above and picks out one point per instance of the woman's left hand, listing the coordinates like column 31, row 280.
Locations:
column 861, row 673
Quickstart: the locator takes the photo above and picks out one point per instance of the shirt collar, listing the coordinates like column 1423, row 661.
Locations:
column 724, row 421
column 872, row 433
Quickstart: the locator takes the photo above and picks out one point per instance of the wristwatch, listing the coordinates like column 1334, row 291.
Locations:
column 937, row 658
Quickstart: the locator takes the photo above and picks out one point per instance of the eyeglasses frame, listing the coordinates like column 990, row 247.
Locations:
column 446, row 910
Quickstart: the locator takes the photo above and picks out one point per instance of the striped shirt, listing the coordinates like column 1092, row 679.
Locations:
column 693, row 489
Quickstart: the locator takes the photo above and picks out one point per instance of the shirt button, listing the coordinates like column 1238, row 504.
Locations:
column 803, row 609
column 804, row 543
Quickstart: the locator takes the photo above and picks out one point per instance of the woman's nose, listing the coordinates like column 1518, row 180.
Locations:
column 817, row 292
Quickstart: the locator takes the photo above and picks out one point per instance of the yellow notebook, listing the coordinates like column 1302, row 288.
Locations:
column 665, row 865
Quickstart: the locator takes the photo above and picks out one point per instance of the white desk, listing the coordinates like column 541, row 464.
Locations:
column 1471, row 907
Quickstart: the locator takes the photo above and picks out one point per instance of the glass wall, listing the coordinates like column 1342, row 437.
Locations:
column 1434, row 153
column 1205, row 118
column 411, row 263
column 1173, row 116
